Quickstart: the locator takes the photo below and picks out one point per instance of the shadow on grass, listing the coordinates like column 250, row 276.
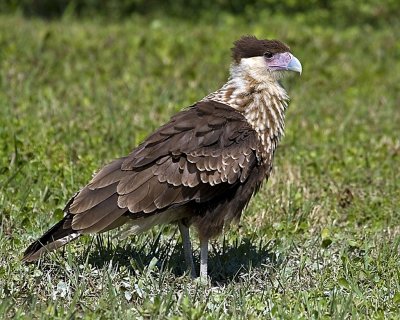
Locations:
column 225, row 264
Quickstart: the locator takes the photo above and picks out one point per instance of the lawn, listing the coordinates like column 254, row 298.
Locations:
column 320, row 240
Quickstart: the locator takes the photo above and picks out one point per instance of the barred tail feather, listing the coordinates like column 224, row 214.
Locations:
column 57, row 236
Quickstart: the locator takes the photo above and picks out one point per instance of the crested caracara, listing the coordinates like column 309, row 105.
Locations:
column 200, row 169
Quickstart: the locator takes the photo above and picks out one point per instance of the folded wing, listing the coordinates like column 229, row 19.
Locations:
column 200, row 154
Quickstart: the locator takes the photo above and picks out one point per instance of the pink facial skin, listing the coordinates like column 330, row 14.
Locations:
column 284, row 61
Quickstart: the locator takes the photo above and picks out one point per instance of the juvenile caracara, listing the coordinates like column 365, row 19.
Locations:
column 200, row 169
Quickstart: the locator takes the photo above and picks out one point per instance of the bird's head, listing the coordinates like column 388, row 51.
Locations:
column 263, row 60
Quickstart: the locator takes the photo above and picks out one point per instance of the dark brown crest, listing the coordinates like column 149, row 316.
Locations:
column 250, row 46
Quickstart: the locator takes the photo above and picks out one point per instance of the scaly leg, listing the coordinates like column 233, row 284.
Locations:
column 203, row 259
column 187, row 248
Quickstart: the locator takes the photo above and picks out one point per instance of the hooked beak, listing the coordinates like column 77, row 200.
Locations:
column 294, row 65
column 285, row 61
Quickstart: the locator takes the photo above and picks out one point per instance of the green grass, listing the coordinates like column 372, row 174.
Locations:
column 320, row 240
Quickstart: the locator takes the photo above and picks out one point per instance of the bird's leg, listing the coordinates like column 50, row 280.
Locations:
column 203, row 259
column 187, row 248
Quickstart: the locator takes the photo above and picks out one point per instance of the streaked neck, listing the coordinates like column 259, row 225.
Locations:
column 261, row 100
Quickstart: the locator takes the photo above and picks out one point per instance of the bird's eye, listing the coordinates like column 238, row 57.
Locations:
column 268, row 54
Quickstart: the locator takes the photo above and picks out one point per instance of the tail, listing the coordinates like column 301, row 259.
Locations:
column 60, row 234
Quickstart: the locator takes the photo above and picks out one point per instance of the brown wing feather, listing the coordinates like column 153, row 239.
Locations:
column 133, row 180
column 109, row 174
column 201, row 154
column 206, row 145
column 88, row 198
column 105, row 221
column 90, row 217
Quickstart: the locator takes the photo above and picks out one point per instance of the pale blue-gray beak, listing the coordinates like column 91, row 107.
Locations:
column 294, row 65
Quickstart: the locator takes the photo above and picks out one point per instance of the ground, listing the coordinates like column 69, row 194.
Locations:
column 320, row 240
